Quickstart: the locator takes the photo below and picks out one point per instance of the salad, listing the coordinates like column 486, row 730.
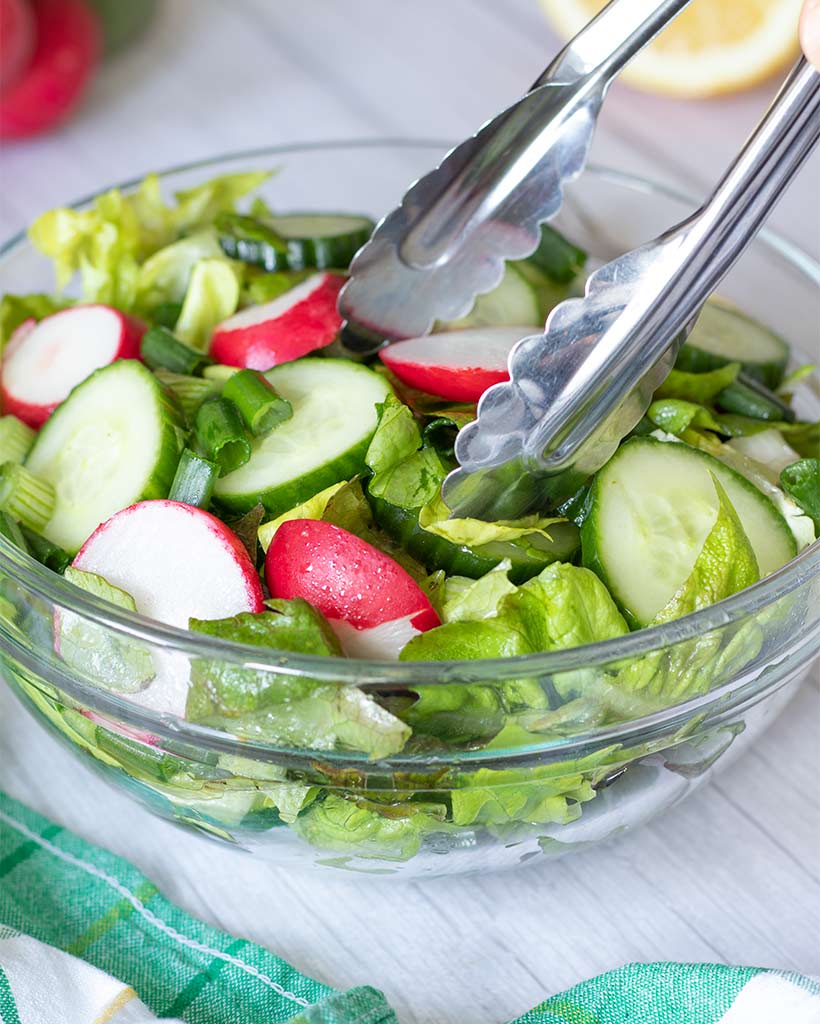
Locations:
column 189, row 440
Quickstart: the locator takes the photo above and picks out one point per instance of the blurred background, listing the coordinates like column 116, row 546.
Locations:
column 96, row 91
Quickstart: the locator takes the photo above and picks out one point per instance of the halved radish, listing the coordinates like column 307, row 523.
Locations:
column 65, row 54
column 456, row 365
column 44, row 361
column 177, row 562
column 300, row 321
column 373, row 605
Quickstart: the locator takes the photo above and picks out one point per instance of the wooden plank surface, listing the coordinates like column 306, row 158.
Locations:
column 731, row 875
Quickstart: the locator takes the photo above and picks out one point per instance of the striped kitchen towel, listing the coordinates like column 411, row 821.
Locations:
column 86, row 939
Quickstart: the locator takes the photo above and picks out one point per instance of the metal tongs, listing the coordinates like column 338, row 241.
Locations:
column 577, row 389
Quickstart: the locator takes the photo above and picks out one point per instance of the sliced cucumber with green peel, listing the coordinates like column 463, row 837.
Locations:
column 527, row 558
column 651, row 508
column 748, row 397
column 514, row 301
column 114, row 441
column 724, row 335
column 334, row 417
column 294, row 241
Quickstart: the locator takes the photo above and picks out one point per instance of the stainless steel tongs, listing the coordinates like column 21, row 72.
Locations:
column 455, row 227
column 578, row 389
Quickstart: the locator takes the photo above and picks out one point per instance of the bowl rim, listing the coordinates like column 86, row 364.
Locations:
column 394, row 675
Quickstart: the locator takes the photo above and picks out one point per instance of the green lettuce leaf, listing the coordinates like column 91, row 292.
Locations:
column 107, row 242
column 404, row 473
column 164, row 277
column 277, row 708
column 699, row 388
column 535, row 796
column 465, row 598
column 435, row 517
column 116, row 662
column 212, row 296
column 801, row 480
column 366, row 828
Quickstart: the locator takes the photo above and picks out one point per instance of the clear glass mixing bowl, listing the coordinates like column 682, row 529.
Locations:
column 607, row 735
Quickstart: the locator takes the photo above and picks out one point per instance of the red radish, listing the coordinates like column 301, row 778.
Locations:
column 456, row 365
column 66, row 52
column 44, row 361
column 373, row 605
column 16, row 40
column 303, row 319
column 178, row 563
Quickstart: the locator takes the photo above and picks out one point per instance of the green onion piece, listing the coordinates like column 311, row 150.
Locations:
column 10, row 529
column 16, row 439
column 159, row 349
column 194, row 480
column 190, row 392
column 166, row 314
column 50, row 555
column 218, row 373
column 260, row 405
column 220, row 435
column 25, row 497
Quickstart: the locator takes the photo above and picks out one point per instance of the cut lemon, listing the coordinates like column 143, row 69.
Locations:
column 714, row 46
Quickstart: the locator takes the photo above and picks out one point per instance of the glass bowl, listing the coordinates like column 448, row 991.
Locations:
column 595, row 740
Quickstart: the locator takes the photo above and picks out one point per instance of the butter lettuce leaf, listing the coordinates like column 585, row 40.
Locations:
column 279, row 708
column 699, row 388
column 212, row 296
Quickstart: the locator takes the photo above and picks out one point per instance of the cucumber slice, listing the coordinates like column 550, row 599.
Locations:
column 294, row 241
column 460, row 560
column 652, row 506
column 514, row 301
column 114, row 441
column 724, row 335
column 325, row 440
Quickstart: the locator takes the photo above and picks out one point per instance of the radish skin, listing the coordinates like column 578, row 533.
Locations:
column 372, row 603
column 302, row 320
column 44, row 361
column 456, row 365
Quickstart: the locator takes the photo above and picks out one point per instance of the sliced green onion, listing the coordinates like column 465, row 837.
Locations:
column 190, row 392
column 10, row 529
column 219, row 373
column 16, row 439
column 159, row 349
column 50, row 555
column 25, row 497
column 259, row 403
column 220, row 435
column 166, row 314
column 194, row 480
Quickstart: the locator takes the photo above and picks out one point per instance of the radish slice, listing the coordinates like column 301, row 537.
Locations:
column 44, row 361
column 300, row 321
column 65, row 54
column 456, row 365
column 178, row 563
column 373, row 605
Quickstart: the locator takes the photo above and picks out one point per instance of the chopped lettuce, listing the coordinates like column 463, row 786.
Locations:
column 164, row 277
column 119, row 663
column 106, row 243
column 212, row 296
column 369, row 828
column 801, row 480
column 537, row 796
column 699, row 388
column 675, row 416
column 465, row 598
column 276, row 707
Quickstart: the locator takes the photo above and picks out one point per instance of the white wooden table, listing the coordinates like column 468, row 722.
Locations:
column 732, row 875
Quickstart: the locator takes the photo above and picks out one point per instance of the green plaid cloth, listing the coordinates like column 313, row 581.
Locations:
column 60, row 891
